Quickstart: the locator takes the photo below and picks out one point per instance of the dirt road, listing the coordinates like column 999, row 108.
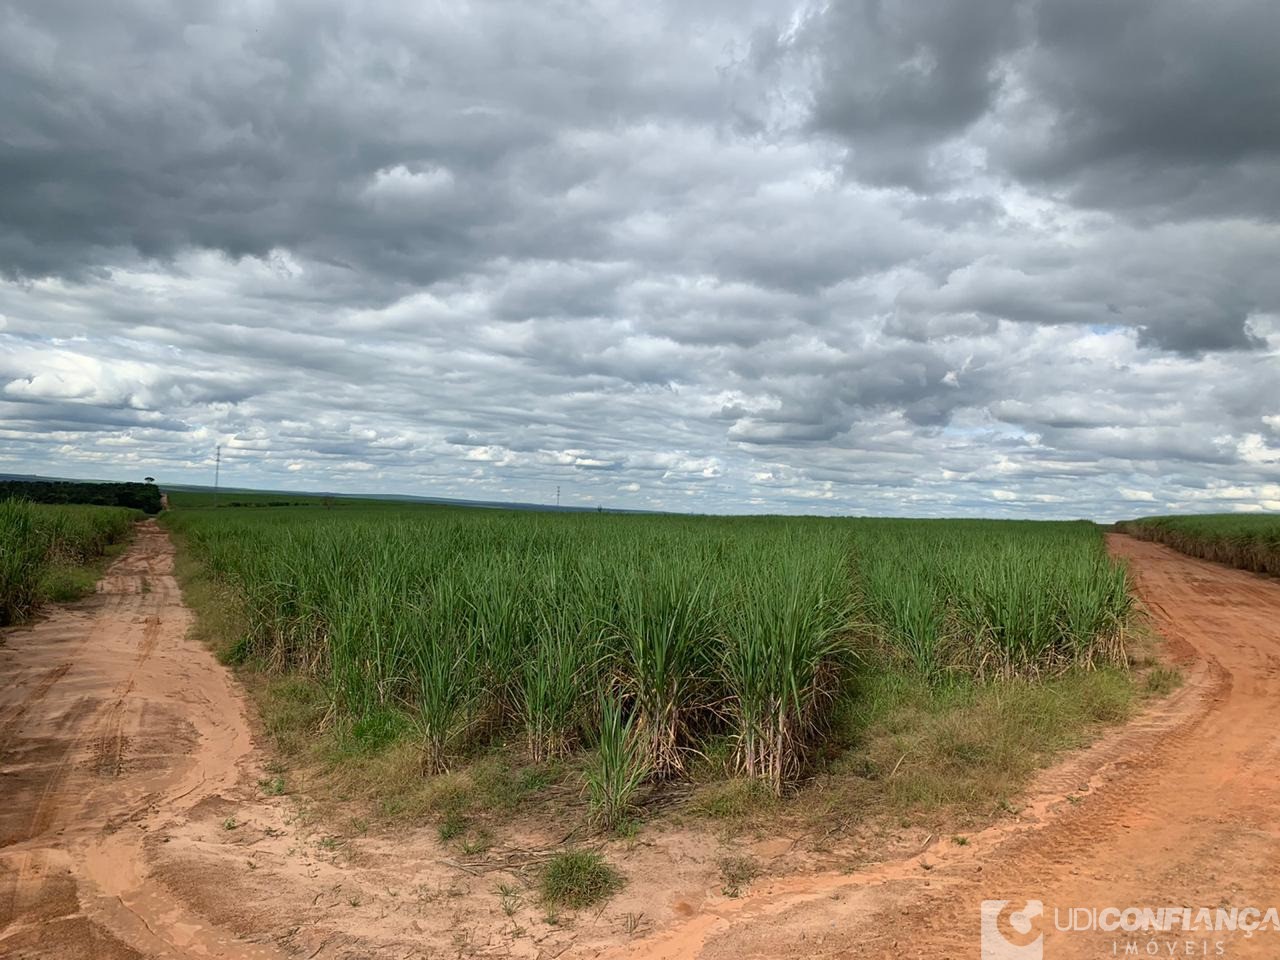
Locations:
column 112, row 724
column 131, row 823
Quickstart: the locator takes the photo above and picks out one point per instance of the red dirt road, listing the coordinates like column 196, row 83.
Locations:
column 112, row 722
column 125, row 750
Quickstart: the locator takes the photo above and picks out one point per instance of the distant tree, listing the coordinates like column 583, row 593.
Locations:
column 149, row 479
column 140, row 496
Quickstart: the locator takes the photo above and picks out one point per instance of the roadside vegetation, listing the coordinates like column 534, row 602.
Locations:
column 1250, row 541
column 48, row 553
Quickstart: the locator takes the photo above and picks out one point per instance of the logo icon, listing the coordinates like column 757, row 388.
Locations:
column 1009, row 934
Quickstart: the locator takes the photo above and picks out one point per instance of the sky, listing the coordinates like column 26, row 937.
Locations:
column 1018, row 258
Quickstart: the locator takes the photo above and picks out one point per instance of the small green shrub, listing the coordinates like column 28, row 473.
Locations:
column 578, row 878
column 620, row 766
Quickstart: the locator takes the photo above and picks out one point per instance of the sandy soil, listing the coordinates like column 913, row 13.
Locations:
column 133, row 823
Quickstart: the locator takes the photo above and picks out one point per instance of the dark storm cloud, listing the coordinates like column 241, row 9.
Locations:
column 1122, row 276
column 895, row 77
column 1167, row 107
column 873, row 257
column 391, row 141
column 54, row 415
column 1157, row 108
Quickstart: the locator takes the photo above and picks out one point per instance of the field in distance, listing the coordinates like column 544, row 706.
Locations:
column 1250, row 541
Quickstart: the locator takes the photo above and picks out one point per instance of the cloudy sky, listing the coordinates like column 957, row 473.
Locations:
column 873, row 257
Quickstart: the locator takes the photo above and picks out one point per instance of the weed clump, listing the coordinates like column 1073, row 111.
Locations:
column 577, row 879
column 736, row 874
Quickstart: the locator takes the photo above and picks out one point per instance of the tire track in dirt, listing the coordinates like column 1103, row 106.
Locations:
column 10, row 717
column 111, row 742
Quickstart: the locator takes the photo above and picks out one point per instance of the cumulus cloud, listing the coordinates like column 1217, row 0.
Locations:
column 871, row 256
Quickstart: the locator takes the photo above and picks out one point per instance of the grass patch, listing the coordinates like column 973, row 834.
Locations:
column 292, row 711
column 66, row 582
column 500, row 784
column 1161, row 681
column 220, row 620
column 736, row 874
column 453, row 825
column 375, row 731
column 912, row 748
column 63, row 584
column 577, row 879
column 921, row 752
column 734, row 800
column 391, row 779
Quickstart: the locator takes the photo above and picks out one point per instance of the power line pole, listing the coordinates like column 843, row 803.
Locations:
column 557, row 496
column 217, row 469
